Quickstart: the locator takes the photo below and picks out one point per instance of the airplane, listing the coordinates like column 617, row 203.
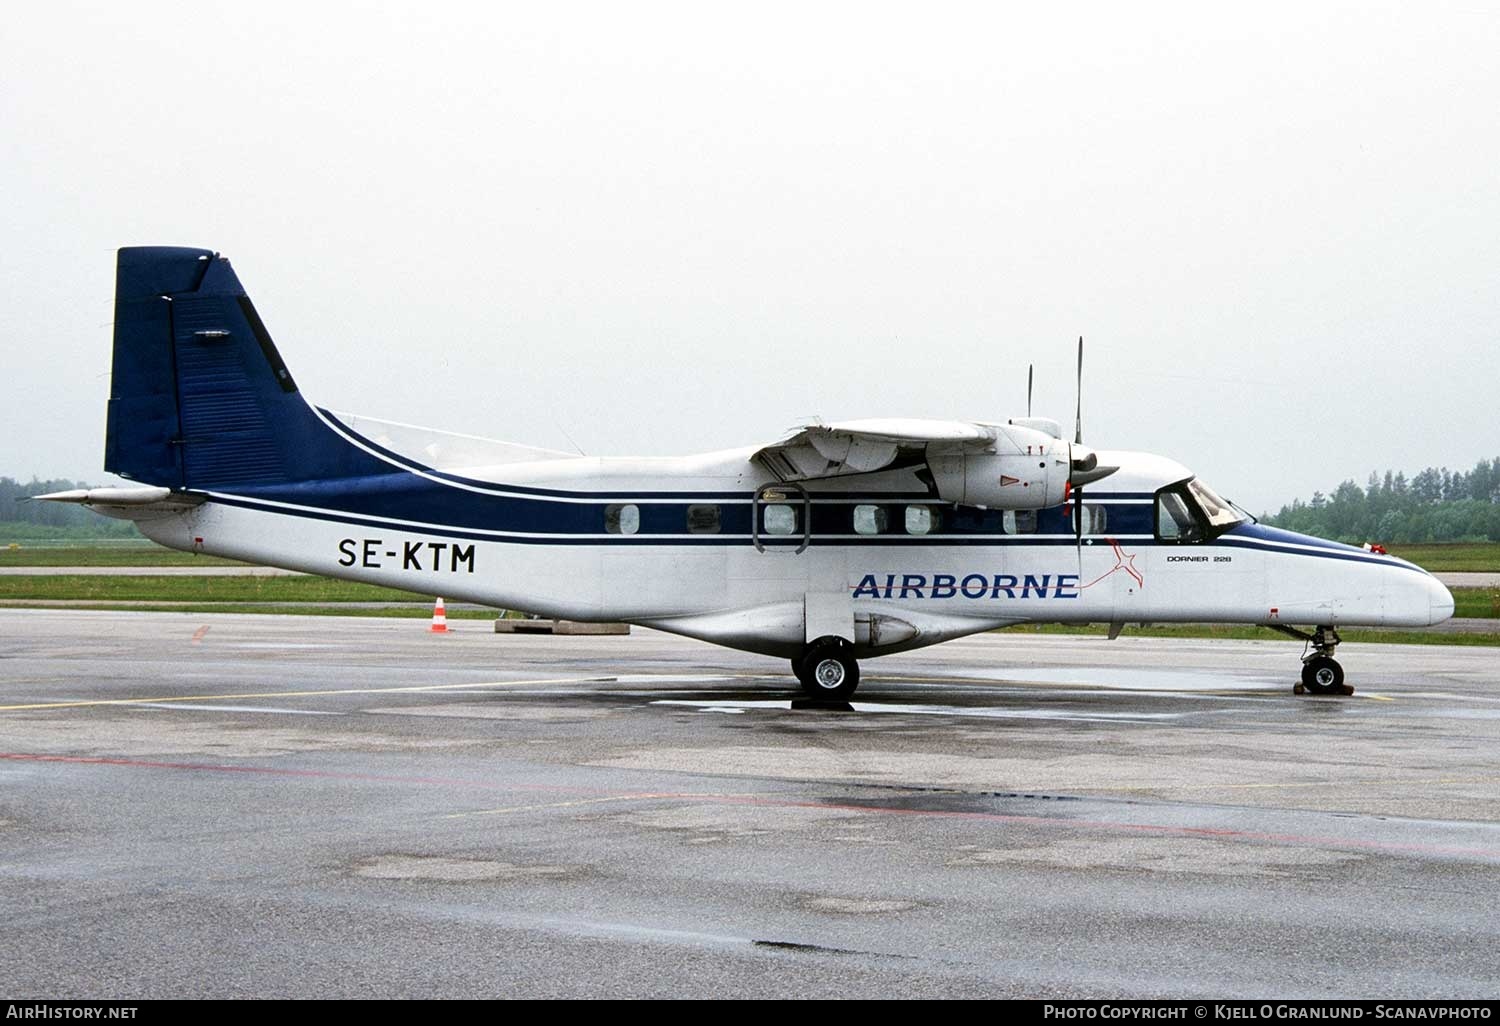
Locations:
column 833, row 544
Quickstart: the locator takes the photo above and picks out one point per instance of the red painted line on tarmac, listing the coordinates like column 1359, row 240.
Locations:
column 1160, row 829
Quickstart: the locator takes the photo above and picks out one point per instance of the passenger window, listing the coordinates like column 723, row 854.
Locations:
column 781, row 519
column 703, row 519
column 871, row 520
column 1095, row 519
column 1174, row 522
column 622, row 519
column 1019, row 521
column 921, row 520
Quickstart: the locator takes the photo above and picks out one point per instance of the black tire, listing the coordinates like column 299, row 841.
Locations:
column 832, row 672
column 1322, row 675
column 799, row 670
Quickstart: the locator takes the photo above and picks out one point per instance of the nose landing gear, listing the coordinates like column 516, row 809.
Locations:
column 1321, row 673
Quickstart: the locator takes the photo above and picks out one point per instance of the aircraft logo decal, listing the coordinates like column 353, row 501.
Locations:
column 1123, row 561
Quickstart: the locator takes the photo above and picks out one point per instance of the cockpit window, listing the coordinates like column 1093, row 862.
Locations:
column 1190, row 511
column 1220, row 514
column 1174, row 522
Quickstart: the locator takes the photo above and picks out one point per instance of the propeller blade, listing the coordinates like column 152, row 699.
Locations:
column 1078, row 418
column 1078, row 440
column 1030, row 370
column 1084, row 474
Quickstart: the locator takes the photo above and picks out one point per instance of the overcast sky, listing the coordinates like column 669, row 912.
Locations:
column 664, row 229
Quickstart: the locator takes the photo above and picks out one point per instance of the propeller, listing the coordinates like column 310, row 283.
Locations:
column 1078, row 417
column 1078, row 440
column 1084, row 466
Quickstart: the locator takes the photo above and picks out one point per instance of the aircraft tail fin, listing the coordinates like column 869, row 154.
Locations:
column 199, row 397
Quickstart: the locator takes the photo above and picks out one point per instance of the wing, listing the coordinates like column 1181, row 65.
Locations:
column 863, row 446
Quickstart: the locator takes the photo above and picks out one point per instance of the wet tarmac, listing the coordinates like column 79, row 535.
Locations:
column 248, row 805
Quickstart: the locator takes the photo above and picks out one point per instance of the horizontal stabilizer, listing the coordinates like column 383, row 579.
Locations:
column 126, row 503
column 112, row 496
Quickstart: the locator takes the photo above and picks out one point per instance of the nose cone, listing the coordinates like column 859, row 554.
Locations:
column 1440, row 601
column 1413, row 597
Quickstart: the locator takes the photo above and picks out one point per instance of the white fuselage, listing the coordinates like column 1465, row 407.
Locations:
column 832, row 542
column 685, row 545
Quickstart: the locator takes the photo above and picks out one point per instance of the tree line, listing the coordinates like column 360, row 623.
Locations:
column 1436, row 505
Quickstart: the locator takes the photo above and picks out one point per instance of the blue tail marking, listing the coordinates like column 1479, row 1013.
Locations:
column 199, row 397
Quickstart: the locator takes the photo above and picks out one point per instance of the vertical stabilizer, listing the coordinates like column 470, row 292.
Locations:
column 199, row 397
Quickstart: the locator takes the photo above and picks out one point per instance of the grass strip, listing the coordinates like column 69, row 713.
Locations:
column 1452, row 557
column 1476, row 603
column 135, row 554
column 411, row 612
column 102, row 588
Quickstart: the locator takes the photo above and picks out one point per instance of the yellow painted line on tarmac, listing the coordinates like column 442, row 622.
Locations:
column 86, row 703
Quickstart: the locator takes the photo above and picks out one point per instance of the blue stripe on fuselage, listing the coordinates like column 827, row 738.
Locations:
column 406, row 502
column 1274, row 539
column 412, row 496
column 489, row 511
column 1276, row 534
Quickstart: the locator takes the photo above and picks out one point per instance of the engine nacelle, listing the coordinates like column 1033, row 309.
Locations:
column 1001, row 480
column 1027, row 469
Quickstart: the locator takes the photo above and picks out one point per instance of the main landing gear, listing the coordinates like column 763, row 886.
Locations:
column 828, row 669
column 1321, row 673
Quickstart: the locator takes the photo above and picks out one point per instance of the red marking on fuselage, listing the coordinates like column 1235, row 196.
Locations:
column 1123, row 561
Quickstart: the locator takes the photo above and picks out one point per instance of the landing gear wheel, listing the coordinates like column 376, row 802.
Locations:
column 800, row 671
column 830, row 671
column 1322, row 675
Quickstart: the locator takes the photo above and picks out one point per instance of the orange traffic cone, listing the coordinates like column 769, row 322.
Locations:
column 439, row 619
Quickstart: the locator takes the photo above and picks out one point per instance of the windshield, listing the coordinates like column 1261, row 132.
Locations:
column 1221, row 514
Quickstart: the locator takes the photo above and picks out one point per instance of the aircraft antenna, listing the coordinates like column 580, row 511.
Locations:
column 569, row 437
column 1030, row 370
